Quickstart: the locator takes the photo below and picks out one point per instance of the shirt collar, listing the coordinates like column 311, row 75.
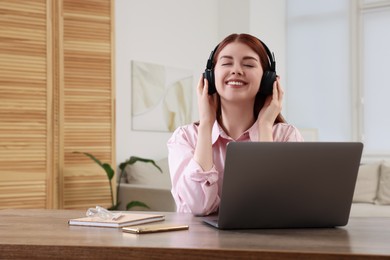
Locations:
column 218, row 131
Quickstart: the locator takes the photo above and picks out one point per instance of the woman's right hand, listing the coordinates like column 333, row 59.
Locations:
column 207, row 104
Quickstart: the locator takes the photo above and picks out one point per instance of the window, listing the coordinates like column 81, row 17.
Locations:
column 375, row 81
column 337, row 67
column 317, row 67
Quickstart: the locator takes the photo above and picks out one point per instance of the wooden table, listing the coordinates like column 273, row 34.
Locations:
column 46, row 234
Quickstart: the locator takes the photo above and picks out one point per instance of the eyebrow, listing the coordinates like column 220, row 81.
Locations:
column 245, row 58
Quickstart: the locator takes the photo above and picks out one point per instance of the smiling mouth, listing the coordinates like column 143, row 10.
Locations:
column 235, row 83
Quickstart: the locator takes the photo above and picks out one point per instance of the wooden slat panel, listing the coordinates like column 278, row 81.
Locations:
column 23, row 104
column 23, row 194
column 56, row 97
column 88, row 101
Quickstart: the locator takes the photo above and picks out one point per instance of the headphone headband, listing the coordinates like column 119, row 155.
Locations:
column 271, row 56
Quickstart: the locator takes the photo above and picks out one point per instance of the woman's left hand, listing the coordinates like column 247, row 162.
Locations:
column 272, row 106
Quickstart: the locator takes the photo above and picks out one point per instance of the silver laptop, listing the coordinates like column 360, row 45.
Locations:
column 287, row 185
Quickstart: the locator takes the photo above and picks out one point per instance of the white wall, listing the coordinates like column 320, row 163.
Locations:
column 268, row 21
column 233, row 17
column 180, row 34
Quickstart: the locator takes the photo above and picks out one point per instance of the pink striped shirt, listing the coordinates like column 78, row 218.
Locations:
column 195, row 190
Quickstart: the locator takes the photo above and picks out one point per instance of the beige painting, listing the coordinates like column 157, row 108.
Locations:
column 161, row 97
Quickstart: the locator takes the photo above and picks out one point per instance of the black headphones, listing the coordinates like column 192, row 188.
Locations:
column 266, row 83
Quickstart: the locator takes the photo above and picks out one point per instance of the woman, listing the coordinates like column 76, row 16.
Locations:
column 237, row 112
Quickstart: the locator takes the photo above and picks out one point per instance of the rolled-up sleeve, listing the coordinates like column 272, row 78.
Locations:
column 194, row 190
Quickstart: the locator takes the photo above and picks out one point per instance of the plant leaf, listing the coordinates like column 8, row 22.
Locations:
column 92, row 157
column 109, row 171
column 136, row 203
column 106, row 167
column 134, row 159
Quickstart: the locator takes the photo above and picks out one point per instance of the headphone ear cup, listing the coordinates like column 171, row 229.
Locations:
column 267, row 82
column 209, row 75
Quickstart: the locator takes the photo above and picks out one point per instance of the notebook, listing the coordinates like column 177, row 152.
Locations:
column 125, row 219
column 287, row 185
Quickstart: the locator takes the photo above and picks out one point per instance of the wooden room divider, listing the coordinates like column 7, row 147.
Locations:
column 57, row 96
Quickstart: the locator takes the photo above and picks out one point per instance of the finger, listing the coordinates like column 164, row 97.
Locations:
column 280, row 89
column 200, row 85
column 206, row 86
column 275, row 93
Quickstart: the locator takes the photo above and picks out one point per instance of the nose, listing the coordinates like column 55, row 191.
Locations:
column 237, row 70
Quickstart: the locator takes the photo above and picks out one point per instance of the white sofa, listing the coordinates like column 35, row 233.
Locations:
column 145, row 183
column 372, row 192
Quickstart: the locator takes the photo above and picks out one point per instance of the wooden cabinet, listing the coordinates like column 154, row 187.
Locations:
column 57, row 96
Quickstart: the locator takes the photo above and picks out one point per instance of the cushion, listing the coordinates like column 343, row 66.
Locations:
column 148, row 174
column 383, row 197
column 367, row 183
column 369, row 210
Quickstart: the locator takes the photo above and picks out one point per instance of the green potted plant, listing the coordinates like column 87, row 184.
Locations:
column 111, row 173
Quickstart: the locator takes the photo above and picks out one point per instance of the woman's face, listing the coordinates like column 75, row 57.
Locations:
column 238, row 72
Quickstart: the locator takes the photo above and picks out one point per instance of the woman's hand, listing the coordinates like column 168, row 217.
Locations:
column 207, row 104
column 271, row 109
